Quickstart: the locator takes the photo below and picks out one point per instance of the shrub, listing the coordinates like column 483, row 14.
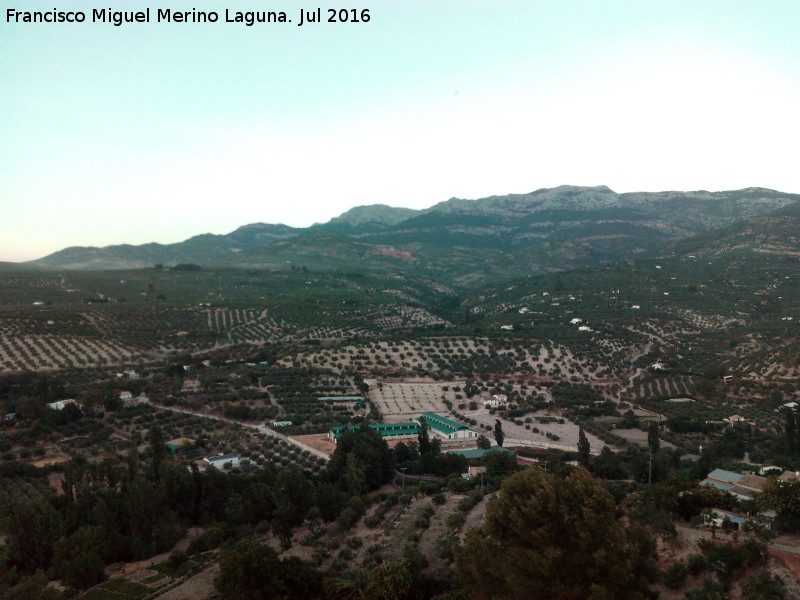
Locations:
column 455, row 521
column 355, row 543
column 674, row 576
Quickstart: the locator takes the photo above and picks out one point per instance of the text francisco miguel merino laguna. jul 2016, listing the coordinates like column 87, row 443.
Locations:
column 166, row 15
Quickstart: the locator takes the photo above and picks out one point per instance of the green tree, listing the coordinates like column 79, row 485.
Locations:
column 372, row 455
column 423, row 439
column 483, row 442
column 653, row 439
column 32, row 588
column 608, row 465
column 390, row 580
column 790, row 428
column 251, row 571
column 546, row 537
column 158, row 448
column 78, row 558
column 499, row 436
column 583, row 448
column 764, row 586
column 784, row 498
column 294, row 496
column 32, row 527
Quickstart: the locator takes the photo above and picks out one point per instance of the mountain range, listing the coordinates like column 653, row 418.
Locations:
column 469, row 242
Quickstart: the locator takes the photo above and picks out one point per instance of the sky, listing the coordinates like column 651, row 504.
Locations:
column 161, row 131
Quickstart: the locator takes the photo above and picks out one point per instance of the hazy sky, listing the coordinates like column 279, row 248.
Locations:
column 157, row 132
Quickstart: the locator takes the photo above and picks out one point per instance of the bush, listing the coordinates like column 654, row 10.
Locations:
column 439, row 499
column 674, row 576
column 455, row 521
column 355, row 543
column 372, row 521
column 696, row 565
column 468, row 503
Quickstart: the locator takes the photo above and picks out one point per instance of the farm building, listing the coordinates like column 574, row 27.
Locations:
column 220, row 461
column 389, row 431
column 473, row 472
column 60, row 404
column 478, row 453
column 178, row 444
column 744, row 487
column 717, row 516
column 349, row 401
column 496, row 400
column 190, row 385
column 447, row 428
column 734, row 419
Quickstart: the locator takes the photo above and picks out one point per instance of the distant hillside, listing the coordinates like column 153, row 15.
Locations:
column 777, row 233
column 374, row 215
column 461, row 242
column 200, row 249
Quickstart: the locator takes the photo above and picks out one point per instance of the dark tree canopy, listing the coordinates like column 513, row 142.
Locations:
column 252, row 571
column 550, row 538
column 653, row 439
column 583, row 448
column 499, row 436
column 370, row 454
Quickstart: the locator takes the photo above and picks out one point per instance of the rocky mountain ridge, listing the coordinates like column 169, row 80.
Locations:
column 461, row 242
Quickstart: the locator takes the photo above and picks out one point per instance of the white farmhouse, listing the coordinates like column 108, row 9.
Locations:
column 221, row 461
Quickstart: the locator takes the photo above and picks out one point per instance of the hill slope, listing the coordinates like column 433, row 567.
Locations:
column 461, row 242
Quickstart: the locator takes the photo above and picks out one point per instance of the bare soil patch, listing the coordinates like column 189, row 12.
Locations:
column 318, row 441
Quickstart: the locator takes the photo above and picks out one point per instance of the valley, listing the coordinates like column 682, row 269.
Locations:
column 122, row 387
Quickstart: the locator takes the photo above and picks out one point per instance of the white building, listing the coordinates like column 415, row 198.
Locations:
column 60, row 404
column 496, row 401
column 221, row 461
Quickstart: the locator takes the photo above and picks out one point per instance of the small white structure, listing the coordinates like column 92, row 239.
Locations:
column 657, row 366
column 221, row 461
column 281, row 423
column 576, row 320
column 473, row 472
column 585, row 328
column 770, row 470
column 190, row 385
column 636, row 307
column 506, row 328
column 125, row 395
column 734, row 419
column 60, row 404
column 496, row 400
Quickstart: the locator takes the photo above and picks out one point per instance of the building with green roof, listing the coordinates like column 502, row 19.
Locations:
column 478, row 453
column 388, row 431
column 447, row 428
